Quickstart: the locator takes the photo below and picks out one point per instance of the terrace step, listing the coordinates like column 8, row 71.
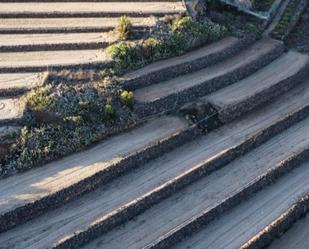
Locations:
column 11, row 110
column 140, row 189
column 180, row 90
column 44, row 42
column 189, row 62
column 36, row 61
column 166, row 223
column 238, row 225
column 296, row 237
column 260, row 87
column 26, row 195
column 18, row 83
column 86, row 9
column 72, row 25
column 168, row 68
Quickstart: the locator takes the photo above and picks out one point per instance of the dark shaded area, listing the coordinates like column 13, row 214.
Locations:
column 299, row 37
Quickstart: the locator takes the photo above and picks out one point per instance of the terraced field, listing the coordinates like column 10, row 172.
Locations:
column 40, row 36
column 165, row 183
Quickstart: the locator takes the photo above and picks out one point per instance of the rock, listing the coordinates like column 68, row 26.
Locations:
column 196, row 8
column 47, row 117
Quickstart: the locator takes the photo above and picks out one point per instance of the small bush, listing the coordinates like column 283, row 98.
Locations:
column 42, row 144
column 181, row 23
column 109, row 112
column 151, row 48
column 124, row 55
column 40, row 98
column 124, row 28
column 127, row 98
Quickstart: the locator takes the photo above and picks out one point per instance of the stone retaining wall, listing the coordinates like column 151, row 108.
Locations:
column 188, row 67
column 139, row 205
column 280, row 225
column 131, row 162
column 174, row 101
column 234, row 111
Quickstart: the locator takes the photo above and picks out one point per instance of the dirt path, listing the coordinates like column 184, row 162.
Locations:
column 21, row 80
column 33, row 42
column 10, row 109
column 34, row 25
column 94, row 9
column 43, row 60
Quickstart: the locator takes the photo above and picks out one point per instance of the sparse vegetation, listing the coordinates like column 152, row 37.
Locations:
column 127, row 98
column 89, row 112
column 109, row 112
column 40, row 98
column 124, row 28
column 124, row 54
column 182, row 35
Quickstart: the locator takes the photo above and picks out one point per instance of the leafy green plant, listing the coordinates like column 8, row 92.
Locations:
column 124, row 28
column 127, row 98
column 109, row 112
column 124, row 55
column 40, row 98
column 151, row 48
column 181, row 23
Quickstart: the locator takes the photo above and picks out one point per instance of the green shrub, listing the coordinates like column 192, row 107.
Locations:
column 124, row 55
column 127, row 98
column 109, row 112
column 176, row 44
column 181, row 23
column 40, row 98
column 45, row 143
column 106, row 73
column 151, row 48
column 124, row 28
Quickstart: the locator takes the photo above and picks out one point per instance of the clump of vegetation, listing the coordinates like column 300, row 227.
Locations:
column 124, row 28
column 124, row 55
column 48, row 142
column 151, row 48
column 127, row 98
column 91, row 102
column 88, row 113
column 109, row 112
column 182, row 35
column 40, row 98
